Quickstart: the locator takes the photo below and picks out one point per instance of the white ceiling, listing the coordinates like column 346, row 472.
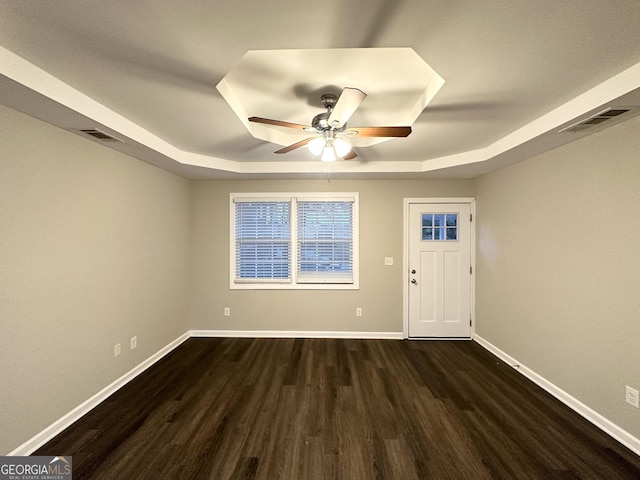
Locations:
column 515, row 72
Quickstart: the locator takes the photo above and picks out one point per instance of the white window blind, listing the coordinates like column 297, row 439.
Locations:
column 325, row 241
column 262, row 241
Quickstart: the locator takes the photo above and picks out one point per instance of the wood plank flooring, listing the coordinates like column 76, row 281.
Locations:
column 306, row 409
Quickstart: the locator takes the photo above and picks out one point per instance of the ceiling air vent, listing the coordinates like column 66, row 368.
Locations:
column 606, row 117
column 100, row 135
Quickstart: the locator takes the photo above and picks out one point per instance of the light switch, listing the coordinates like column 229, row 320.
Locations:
column 388, row 261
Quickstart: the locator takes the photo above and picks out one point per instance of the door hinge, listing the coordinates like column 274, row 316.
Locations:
column 470, row 270
column 470, row 322
column 471, row 217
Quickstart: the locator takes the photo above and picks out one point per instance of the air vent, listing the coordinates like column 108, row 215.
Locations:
column 100, row 135
column 607, row 117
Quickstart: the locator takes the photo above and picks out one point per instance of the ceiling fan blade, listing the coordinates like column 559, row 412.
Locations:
column 293, row 146
column 351, row 155
column 349, row 101
column 379, row 131
column 278, row 123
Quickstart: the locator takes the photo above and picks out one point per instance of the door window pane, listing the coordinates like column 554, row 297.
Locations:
column 440, row 226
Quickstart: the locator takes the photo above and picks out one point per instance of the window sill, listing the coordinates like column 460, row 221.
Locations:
column 293, row 286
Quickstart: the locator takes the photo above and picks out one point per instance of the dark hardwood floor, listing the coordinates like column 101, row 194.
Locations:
column 304, row 409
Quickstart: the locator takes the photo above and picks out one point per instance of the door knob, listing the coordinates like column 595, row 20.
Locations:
column 414, row 281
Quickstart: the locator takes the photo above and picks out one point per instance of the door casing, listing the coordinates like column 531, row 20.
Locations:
column 405, row 256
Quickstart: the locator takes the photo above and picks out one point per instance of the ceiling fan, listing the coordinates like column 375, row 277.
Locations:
column 329, row 128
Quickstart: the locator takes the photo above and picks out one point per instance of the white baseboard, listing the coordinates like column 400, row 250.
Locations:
column 606, row 425
column 295, row 334
column 28, row 447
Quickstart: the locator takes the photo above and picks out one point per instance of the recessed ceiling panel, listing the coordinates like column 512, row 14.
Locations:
column 287, row 85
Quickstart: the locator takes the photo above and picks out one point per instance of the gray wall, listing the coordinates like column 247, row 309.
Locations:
column 93, row 250
column 380, row 293
column 558, row 258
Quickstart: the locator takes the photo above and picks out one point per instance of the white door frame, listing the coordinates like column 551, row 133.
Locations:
column 405, row 256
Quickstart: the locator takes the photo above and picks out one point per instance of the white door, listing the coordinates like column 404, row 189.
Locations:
column 439, row 289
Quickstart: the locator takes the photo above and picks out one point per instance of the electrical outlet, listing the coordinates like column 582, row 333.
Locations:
column 358, row 312
column 388, row 261
column 631, row 397
column 134, row 342
column 227, row 312
column 117, row 350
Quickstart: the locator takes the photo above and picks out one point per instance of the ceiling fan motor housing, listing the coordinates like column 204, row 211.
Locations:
column 321, row 121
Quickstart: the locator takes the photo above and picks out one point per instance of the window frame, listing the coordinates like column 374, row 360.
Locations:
column 292, row 283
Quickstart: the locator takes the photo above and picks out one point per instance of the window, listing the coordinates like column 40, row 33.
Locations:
column 306, row 240
column 439, row 226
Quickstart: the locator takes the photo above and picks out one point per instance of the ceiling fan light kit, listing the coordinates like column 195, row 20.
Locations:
column 341, row 146
column 316, row 146
column 326, row 143
column 328, row 154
